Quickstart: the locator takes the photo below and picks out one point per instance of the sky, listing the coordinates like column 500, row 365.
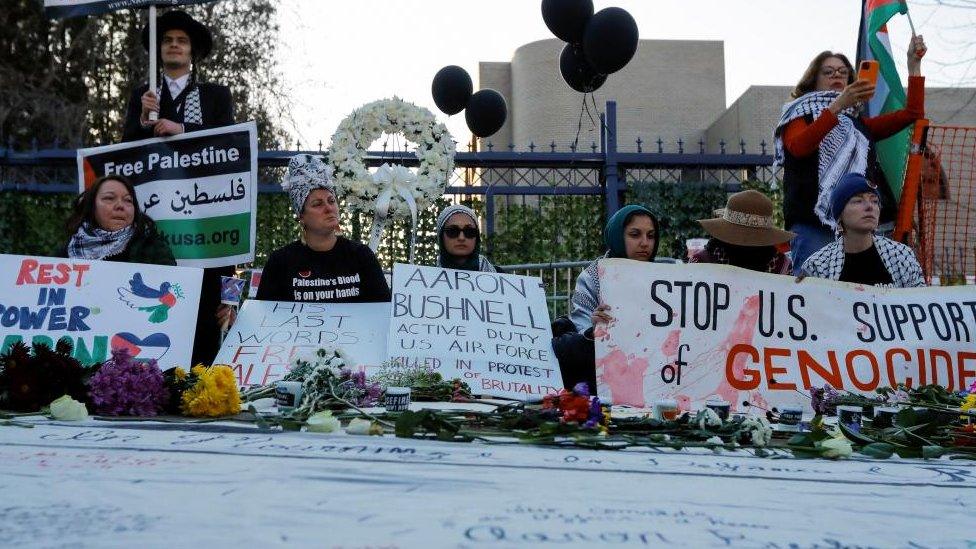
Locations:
column 336, row 55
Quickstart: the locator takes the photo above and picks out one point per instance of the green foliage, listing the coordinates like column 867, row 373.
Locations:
column 678, row 207
column 33, row 224
column 556, row 228
column 73, row 76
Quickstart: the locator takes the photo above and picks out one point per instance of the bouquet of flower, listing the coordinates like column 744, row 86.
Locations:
column 206, row 391
column 425, row 383
column 123, row 386
column 31, row 378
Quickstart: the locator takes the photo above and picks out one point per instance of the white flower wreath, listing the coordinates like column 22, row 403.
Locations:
column 359, row 189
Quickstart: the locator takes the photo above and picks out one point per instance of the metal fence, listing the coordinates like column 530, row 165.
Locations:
column 506, row 186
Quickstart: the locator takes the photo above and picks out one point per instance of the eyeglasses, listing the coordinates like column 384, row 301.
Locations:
column 454, row 232
column 843, row 72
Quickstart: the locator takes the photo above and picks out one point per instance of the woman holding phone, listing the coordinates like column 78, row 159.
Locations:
column 823, row 135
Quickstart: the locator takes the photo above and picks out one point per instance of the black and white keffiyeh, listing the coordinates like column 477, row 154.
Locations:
column 190, row 107
column 844, row 150
column 96, row 243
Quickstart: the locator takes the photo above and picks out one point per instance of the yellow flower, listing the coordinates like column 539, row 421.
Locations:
column 970, row 402
column 214, row 394
column 179, row 373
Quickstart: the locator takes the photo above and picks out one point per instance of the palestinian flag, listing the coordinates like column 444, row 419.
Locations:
column 872, row 43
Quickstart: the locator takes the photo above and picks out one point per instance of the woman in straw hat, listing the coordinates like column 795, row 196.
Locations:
column 743, row 236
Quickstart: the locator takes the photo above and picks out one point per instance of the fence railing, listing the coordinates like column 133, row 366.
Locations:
column 505, row 185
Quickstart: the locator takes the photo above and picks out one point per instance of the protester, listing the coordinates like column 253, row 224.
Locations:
column 108, row 225
column 822, row 135
column 322, row 266
column 459, row 240
column 183, row 104
column 744, row 236
column 631, row 233
column 860, row 256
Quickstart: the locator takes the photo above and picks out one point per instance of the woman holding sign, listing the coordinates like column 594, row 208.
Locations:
column 631, row 233
column 459, row 240
column 108, row 225
column 823, row 135
column 322, row 266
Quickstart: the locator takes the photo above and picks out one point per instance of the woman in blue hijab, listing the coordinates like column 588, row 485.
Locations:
column 631, row 233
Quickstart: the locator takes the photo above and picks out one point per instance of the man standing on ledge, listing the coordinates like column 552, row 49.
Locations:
column 185, row 105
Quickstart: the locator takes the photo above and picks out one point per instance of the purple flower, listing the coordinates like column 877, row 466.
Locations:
column 595, row 416
column 124, row 386
column 582, row 389
column 824, row 400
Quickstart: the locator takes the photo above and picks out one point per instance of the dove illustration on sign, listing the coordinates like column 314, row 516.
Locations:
column 155, row 301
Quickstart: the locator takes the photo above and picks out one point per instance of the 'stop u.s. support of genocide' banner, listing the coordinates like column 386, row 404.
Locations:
column 200, row 188
column 720, row 332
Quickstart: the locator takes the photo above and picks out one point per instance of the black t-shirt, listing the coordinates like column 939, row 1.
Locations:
column 865, row 268
column 348, row 273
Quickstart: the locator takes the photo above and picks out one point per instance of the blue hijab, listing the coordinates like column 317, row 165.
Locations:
column 613, row 233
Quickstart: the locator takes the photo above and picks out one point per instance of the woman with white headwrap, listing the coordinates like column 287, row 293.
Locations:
column 322, row 266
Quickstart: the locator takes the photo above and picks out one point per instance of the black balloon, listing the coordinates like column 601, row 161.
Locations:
column 610, row 40
column 451, row 89
column 567, row 18
column 577, row 72
column 486, row 112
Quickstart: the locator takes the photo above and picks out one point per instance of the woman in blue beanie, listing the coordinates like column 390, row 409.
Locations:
column 630, row 233
column 859, row 255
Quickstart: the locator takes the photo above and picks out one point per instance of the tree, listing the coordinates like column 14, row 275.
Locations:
column 68, row 81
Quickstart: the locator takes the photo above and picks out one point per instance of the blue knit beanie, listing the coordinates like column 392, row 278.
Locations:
column 849, row 186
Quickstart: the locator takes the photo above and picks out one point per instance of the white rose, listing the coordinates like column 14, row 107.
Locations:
column 68, row 409
column 360, row 426
column 834, row 448
column 322, row 422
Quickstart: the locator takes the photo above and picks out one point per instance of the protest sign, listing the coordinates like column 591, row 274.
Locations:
column 74, row 8
column 489, row 329
column 100, row 306
column 199, row 187
column 720, row 332
column 268, row 335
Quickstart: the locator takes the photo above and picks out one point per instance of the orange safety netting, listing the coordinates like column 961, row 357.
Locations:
column 946, row 222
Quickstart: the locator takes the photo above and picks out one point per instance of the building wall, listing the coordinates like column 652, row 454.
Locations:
column 543, row 108
column 753, row 116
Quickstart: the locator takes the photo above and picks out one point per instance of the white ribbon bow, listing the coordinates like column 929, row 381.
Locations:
column 391, row 180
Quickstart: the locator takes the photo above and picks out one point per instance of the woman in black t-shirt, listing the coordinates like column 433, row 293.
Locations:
column 859, row 255
column 322, row 266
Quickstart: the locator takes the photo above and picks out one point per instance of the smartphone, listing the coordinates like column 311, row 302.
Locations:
column 868, row 70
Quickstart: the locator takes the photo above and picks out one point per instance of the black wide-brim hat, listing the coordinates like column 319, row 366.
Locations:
column 201, row 40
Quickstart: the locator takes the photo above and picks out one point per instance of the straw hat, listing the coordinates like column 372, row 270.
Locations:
column 746, row 220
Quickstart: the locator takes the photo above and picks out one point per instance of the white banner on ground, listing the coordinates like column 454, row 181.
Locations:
column 713, row 331
column 268, row 335
column 150, row 310
column 199, row 187
column 491, row 330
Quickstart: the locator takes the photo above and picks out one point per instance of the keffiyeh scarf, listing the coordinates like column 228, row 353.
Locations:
column 96, row 243
column 844, row 150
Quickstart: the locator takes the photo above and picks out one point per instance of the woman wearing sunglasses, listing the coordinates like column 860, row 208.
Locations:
column 459, row 240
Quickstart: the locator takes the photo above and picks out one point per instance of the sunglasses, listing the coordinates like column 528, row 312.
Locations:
column 454, row 232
